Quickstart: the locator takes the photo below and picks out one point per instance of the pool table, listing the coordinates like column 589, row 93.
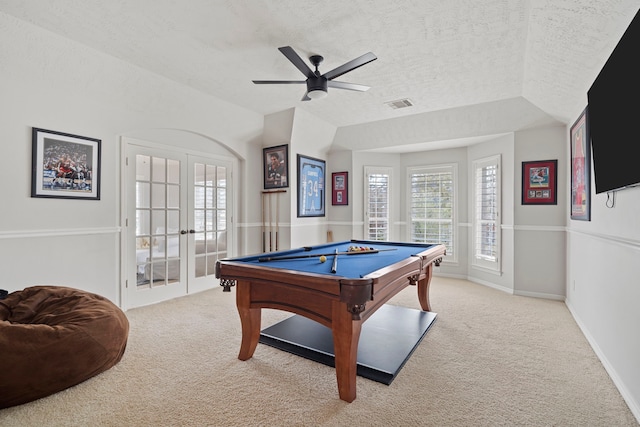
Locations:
column 300, row 282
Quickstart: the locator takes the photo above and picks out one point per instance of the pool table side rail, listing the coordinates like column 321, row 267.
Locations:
column 384, row 288
column 236, row 269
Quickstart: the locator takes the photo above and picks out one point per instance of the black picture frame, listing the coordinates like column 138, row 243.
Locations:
column 580, row 140
column 65, row 166
column 540, row 182
column 311, row 186
column 276, row 176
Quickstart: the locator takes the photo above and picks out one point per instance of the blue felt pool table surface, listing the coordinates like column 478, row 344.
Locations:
column 353, row 266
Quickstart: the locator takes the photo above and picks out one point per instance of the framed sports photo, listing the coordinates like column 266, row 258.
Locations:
column 65, row 166
column 340, row 188
column 276, row 166
column 539, row 182
column 580, row 168
column 311, row 184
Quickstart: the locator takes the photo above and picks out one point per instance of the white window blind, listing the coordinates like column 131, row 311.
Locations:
column 432, row 206
column 377, row 203
column 487, row 213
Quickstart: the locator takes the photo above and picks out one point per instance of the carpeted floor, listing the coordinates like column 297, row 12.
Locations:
column 490, row 359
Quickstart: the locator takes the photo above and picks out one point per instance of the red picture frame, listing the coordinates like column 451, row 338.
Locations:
column 540, row 182
column 340, row 188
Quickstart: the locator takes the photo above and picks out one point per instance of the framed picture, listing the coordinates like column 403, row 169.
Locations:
column 276, row 166
column 310, row 186
column 65, row 166
column 340, row 188
column 580, row 168
column 540, row 182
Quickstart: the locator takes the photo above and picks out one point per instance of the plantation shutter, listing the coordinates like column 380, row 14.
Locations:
column 432, row 206
column 487, row 213
column 377, row 203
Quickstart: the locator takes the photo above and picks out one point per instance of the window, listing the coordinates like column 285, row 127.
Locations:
column 378, row 183
column 486, row 220
column 432, row 206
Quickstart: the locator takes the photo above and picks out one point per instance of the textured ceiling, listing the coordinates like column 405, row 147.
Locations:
column 532, row 59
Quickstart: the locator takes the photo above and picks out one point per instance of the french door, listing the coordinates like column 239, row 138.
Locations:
column 178, row 223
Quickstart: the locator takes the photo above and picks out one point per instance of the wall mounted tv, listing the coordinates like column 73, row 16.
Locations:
column 614, row 115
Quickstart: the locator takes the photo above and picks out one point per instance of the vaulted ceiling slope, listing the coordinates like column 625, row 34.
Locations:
column 511, row 64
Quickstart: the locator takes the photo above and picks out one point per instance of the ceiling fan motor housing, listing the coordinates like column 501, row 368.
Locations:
column 319, row 83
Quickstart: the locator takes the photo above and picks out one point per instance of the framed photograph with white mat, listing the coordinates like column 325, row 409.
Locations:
column 65, row 166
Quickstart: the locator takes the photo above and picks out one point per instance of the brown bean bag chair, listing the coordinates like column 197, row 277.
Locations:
column 54, row 337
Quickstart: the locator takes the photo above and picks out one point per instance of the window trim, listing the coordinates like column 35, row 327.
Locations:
column 453, row 168
column 479, row 262
column 368, row 170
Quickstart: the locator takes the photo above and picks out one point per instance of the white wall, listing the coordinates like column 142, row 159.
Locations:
column 304, row 134
column 49, row 82
column 603, row 286
column 340, row 217
column 539, row 230
column 311, row 137
column 261, row 208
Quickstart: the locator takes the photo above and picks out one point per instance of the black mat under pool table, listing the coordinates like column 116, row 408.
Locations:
column 387, row 340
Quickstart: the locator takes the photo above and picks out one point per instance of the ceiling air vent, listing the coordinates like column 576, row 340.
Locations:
column 400, row 103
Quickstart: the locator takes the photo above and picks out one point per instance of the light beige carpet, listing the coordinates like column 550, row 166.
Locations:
column 490, row 359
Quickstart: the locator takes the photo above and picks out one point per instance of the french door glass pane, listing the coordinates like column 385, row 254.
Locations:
column 158, row 172
column 173, row 196
column 143, row 195
column 158, row 196
column 173, row 221
column 173, row 171
column 198, row 172
column 143, row 168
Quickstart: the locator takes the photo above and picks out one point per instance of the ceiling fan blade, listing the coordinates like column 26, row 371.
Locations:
column 351, row 65
column 348, row 86
column 296, row 60
column 278, row 82
column 306, row 97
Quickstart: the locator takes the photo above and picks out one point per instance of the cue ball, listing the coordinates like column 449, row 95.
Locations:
column 323, row 258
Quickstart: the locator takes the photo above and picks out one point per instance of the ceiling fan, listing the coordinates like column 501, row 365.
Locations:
column 317, row 83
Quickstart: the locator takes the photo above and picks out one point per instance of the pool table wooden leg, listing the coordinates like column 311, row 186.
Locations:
column 423, row 288
column 249, row 318
column 346, row 334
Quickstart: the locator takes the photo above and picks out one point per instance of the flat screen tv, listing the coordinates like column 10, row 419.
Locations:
column 614, row 115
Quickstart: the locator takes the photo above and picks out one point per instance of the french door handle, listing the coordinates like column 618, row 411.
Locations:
column 183, row 231
column 192, row 231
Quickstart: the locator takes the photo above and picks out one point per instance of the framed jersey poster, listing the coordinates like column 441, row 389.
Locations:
column 311, row 185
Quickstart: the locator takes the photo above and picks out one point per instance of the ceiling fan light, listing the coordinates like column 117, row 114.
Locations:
column 317, row 94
